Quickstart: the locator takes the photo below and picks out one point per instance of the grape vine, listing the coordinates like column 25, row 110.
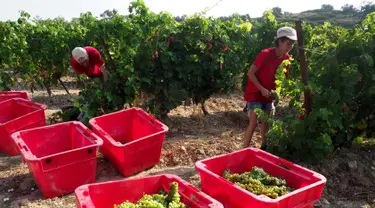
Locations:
column 157, row 62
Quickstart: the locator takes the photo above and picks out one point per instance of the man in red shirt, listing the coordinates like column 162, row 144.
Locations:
column 89, row 61
column 261, row 80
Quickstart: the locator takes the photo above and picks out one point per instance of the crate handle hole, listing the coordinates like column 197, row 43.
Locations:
column 152, row 122
column 49, row 160
column 89, row 151
column 25, row 148
column 284, row 166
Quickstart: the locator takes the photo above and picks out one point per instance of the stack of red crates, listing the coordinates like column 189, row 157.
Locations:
column 17, row 112
column 6, row 95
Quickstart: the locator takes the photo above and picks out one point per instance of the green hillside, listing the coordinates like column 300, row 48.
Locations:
column 315, row 17
column 347, row 16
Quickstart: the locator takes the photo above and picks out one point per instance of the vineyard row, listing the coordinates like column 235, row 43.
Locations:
column 170, row 61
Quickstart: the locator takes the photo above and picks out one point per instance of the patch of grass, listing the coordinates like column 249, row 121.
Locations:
column 368, row 143
column 371, row 142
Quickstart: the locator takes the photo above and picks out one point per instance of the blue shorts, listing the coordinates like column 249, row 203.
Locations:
column 266, row 107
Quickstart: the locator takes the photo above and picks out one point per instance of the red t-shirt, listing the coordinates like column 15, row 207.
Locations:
column 95, row 62
column 267, row 62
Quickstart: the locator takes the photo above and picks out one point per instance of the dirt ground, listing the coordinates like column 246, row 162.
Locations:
column 350, row 173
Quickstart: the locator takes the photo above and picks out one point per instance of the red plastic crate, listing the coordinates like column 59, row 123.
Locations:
column 60, row 157
column 308, row 185
column 6, row 95
column 106, row 194
column 132, row 139
column 18, row 114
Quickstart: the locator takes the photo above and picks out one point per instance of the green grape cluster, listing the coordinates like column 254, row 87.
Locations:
column 258, row 182
column 160, row 200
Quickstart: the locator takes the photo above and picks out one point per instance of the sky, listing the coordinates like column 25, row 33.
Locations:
column 72, row 8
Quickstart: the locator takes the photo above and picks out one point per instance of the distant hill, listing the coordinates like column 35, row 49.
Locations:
column 318, row 16
column 348, row 16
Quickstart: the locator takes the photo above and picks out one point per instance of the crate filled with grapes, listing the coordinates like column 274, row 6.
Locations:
column 258, row 182
column 254, row 178
column 157, row 191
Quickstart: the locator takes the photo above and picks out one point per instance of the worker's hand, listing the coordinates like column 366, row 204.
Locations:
column 266, row 93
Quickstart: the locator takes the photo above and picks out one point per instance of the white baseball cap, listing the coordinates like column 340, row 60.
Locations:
column 79, row 52
column 286, row 32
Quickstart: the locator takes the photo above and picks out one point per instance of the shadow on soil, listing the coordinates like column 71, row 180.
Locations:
column 55, row 101
column 184, row 172
column 213, row 124
column 7, row 162
column 17, row 189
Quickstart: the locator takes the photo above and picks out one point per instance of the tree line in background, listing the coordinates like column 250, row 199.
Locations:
column 157, row 62
column 348, row 16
